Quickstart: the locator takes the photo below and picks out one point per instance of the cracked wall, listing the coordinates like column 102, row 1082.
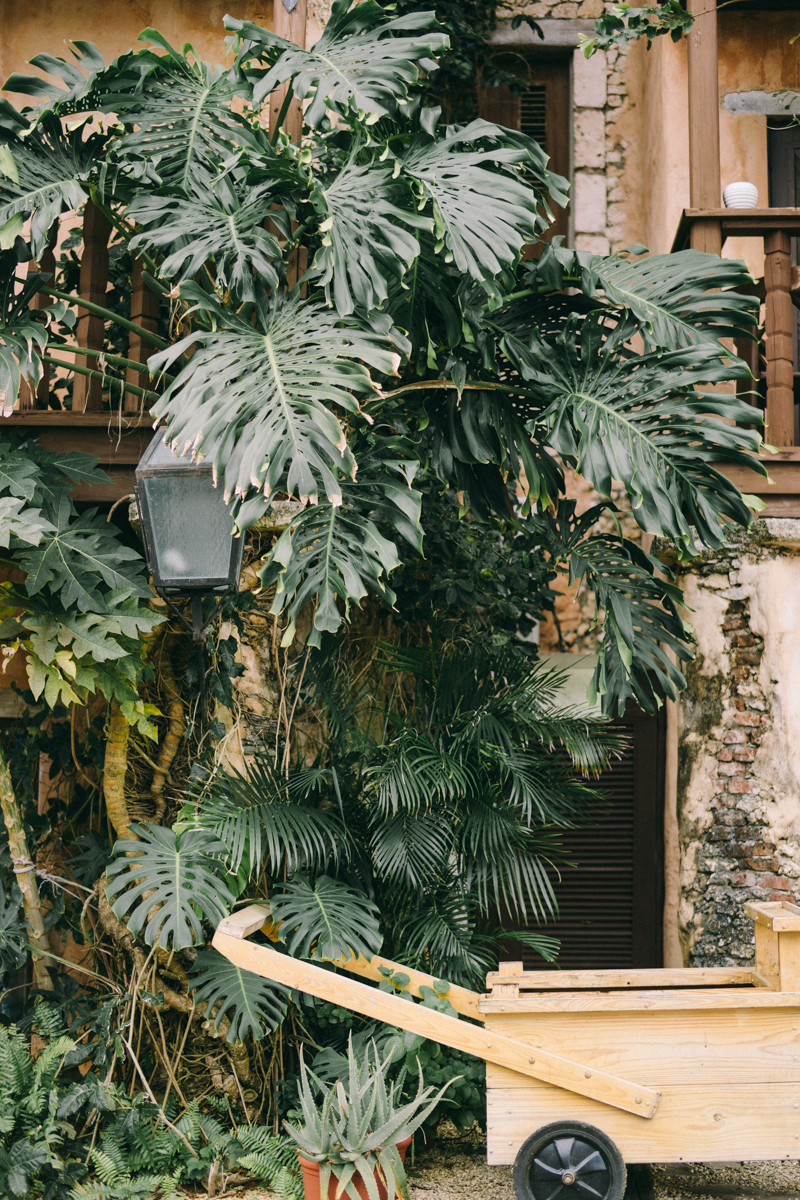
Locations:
column 738, row 785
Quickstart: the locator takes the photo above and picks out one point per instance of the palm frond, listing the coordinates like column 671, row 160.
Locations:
column 265, row 815
column 410, row 848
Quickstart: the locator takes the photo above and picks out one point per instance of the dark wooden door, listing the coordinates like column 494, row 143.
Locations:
column 542, row 111
column 611, row 900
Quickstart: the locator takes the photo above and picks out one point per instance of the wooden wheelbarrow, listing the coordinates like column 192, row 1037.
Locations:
column 590, row 1070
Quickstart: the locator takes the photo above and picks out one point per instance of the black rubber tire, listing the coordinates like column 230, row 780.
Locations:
column 570, row 1147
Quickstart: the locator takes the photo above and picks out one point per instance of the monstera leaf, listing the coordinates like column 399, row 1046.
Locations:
column 261, row 392
column 483, row 212
column 163, row 881
column 327, row 921
column 640, row 419
column 361, row 59
column 178, row 114
column 366, row 240
column 78, row 79
column 675, row 300
column 252, row 1004
column 216, row 226
column 43, row 176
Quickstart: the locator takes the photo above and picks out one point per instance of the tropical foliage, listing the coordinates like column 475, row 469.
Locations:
column 417, row 340
column 356, row 323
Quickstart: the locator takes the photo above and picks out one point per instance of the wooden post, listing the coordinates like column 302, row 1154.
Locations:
column 144, row 311
column 87, row 394
column 289, row 22
column 704, row 175
column 779, row 325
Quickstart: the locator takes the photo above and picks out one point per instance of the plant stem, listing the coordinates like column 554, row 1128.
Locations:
column 25, row 873
column 126, row 387
column 471, row 385
column 107, row 315
column 116, row 360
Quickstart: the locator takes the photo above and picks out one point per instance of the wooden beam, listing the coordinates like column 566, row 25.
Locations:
column 256, row 916
column 704, row 174
column 87, row 394
column 738, row 222
column 657, row 977
column 540, row 1064
column 289, row 22
column 779, row 429
column 144, row 312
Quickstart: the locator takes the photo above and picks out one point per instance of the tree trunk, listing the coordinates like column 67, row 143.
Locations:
column 114, row 767
column 25, row 874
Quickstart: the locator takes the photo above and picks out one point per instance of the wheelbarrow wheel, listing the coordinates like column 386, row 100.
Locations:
column 569, row 1160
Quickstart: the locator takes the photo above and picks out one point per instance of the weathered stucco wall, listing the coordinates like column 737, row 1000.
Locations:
column 738, row 754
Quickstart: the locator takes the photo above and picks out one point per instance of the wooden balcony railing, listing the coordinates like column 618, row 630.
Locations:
column 116, row 428
column 772, row 362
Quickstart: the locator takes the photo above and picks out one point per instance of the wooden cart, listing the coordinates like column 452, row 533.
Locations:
column 589, row 1070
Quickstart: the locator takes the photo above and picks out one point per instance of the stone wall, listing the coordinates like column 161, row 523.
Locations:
column 738, row 782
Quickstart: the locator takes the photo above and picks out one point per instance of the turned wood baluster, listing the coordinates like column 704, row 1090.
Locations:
column 87, row 394
column 144, row 311
column 779, row 429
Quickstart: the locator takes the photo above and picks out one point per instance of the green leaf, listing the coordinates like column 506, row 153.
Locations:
column 641, row 419
column 674, row 297
column 366, row 243
column 360, row 60
column 76, row 554
column 327, row 921
column 263, row 391
column 268, row 817
column 79, row 81
column 52, row 168
column 214, row 225
column 17, row 521
column 255, row 1005
column 173, row 879
column 178, row 114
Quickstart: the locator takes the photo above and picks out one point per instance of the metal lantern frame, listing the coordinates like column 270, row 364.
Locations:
column 173, row 586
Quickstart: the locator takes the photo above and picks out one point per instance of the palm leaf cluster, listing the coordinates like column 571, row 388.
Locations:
column 417, row 341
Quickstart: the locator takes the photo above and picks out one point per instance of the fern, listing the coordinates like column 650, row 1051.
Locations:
column 273, row 1159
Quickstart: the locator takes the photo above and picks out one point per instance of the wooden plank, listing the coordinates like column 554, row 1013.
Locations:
column 380, row 1006
column 255, row 916
column 660, row 978
column 738, row 222
column 87, row 393
column 705, row 189
column 695, row 1123
column 789, row 955
column 785, row 477
column 85, row 420
column 779, row 428
column 632, row 1001
column 747, row 1045
column 778, row 915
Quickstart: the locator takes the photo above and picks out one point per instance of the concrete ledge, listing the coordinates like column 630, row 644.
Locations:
column 556, row 32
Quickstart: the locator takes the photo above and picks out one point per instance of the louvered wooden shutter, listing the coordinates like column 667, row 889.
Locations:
column 611, row 901
column 542, row 111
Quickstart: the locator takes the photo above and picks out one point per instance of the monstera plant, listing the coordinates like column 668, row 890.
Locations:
column 346, row 321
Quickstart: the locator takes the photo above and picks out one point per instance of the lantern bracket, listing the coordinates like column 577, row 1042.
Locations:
column 197, row 626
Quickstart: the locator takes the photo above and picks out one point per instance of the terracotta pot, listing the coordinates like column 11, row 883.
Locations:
column 311, row 1178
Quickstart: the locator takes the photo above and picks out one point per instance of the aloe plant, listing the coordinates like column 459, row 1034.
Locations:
column 354, row 1129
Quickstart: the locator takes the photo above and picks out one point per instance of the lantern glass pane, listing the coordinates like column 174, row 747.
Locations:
column 191, row 528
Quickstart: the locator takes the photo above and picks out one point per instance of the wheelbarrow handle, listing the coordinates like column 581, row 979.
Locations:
column 472, row 1039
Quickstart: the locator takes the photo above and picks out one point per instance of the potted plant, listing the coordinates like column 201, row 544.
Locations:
column 355, row 1134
